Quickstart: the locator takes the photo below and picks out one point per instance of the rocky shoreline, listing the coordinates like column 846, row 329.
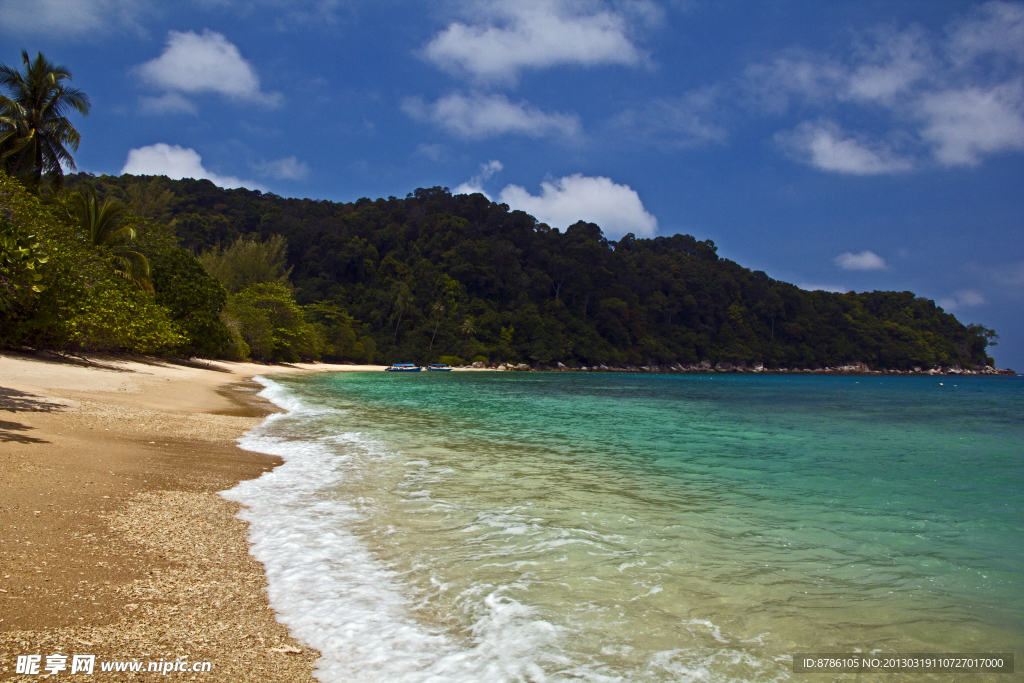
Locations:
column 755, row 368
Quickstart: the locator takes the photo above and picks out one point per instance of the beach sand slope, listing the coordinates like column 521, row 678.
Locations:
column 113, row 539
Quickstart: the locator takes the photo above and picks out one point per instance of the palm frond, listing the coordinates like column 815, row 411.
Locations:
column 133, row 266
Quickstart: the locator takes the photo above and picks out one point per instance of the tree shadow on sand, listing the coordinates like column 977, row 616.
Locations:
column 9, row 431
column 14, row 401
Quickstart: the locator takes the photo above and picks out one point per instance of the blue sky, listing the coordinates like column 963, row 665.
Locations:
column 841, row 145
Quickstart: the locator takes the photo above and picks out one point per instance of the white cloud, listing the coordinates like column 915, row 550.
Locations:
column 168, row 103
column 865, row 260
column 965, row 298
column 883, row 66
column 507, row 37
column 60, row 17
column 476, row 183
column 771, row 88
column 194, row 63
column 997, row 28
column 177, row 162
column 965, row 124
column 479, row 116
column 825, row 146
column 288, row 168
column 958, row 96
column 617, row 209
column 887, row 67
column 835, row 289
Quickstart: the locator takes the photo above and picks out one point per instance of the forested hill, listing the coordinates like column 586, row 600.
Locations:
column 435, row 275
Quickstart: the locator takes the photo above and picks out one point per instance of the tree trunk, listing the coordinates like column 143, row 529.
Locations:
column 435, row 332
column 394, row 342
column 39, row 163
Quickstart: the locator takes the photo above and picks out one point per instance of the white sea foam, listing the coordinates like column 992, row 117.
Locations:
column 336, row 597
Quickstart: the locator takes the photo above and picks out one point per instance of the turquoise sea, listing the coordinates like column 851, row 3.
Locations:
column 439, row 527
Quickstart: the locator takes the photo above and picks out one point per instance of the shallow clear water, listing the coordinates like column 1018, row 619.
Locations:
column 550, row 527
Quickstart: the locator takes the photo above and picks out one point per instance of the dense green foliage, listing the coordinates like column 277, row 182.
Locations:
column 248, row 262
column 193, row 300
column 79, row 302
column 20, row 260
column 106, row 223
column 272, row 325
column 435, row 275
column 63, row 291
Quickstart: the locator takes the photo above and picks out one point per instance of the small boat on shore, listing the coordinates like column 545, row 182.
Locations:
column 403, row 367
column 439, row 367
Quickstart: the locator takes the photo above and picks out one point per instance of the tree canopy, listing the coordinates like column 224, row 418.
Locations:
column 436, row 274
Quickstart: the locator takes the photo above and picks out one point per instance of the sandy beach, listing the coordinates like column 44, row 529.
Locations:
column 114, row 542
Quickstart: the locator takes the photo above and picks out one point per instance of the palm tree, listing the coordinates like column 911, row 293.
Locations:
column 403, row 300
column 102, row 222
column 35, row 134
column 468, row 327
column 438, row 310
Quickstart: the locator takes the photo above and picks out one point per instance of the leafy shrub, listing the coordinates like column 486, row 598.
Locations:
column 20, row 260
column 272, row 324
column 248, row 261
column 193, row 299
column 236, row 349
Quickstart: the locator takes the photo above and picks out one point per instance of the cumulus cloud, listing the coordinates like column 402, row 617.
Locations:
column 825, row 146
column 476, row 183
column 288, row 168
column 194, row 63
column 506, row 37
column 177, row 162
column 63, row 18
column 965, row 298
column 865, row 260
column 481, row 116
column 617, row 209
column 963, row 125
column 959, row 94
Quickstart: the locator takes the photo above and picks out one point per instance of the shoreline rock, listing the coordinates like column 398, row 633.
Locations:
column 706, row 367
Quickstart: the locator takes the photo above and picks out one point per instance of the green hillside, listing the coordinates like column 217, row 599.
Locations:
column 536, row 294
column 435, row 275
